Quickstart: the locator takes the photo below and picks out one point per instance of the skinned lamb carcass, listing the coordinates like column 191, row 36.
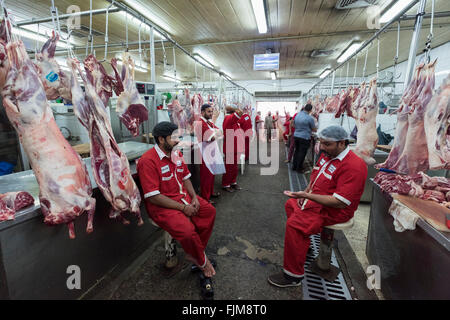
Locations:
column 109, row 164
column 64, row 185
column 179, row 116
column 55, row 80
column 411, row 93
column 97, row 75
column 130, row 108
column 11, row 202
column 367, row 137
column 437, row 128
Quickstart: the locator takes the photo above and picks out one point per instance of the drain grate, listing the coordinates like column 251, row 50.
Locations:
column 316, row 288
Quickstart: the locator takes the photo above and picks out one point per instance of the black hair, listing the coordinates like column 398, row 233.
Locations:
column 308, row 107
column 205, row 106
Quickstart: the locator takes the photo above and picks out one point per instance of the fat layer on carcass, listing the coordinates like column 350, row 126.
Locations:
column 64, row 186
column 130, row 107
column 365, row 116
column 437, row 128
column 11, row 202
column 55, row 80
column 109, row 164
column 409, row 96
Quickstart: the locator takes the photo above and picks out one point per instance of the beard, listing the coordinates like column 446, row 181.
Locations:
column 167, row 146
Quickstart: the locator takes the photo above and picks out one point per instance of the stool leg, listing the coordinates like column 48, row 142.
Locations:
column 326, row 244
column 171, row 250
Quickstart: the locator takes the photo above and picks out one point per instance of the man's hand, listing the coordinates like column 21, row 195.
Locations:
column 189, row 210
column 196, row 204
column 297, row 195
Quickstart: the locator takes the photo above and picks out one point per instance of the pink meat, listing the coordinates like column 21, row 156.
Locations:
column 55, row 80
column 437, row 128
column 130, row 108
column 109, row 164
column 103, row 83
column 64, row 186
column 11, row 202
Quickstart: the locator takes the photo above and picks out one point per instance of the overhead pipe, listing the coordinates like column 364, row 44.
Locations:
column 367, row 42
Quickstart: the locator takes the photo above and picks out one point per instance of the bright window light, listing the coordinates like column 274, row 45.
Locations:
column 273, row 75
column 325, row 73
column 34, row 36
column 260, row 15
column 350, row 50
column 394, row 10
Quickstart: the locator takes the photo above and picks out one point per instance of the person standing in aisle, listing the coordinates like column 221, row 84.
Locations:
column 258, row 125
column 211, row 161
column 332, row 196
column 230, row 126
column 304, row 125
column 269, row 122
column 171, row 201
column 246, row 124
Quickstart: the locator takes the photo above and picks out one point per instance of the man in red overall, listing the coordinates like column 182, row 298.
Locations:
column 332, row 196
column 170, row 198
column 206, row 131
column 246, row 124
column 230, row 125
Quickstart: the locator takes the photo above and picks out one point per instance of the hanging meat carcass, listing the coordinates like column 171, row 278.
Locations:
column 4, row 64
column 409, row 96
column 130, row 109
column 437, row 128
column 64, row 186
column 332, row 104
column 179, row 116
column 365, row 116
column 11, row 202
column 346, row 99
column 55, row 80
column 110, row 166
column 96, row 73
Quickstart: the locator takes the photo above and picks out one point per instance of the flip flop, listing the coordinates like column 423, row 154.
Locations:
column 206, row 287
column 228, row 189
column 195, row 268
column 215, row 195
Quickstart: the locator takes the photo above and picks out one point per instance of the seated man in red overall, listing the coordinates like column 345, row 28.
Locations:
column 332, row 196
column 170, row 198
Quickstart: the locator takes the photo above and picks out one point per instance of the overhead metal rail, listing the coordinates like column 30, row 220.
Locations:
column 123, row 7
column 369, row 41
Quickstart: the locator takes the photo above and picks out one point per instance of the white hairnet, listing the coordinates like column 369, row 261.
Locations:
column 333, row 133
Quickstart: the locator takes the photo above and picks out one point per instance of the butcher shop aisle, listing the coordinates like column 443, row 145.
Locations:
column 247, row 243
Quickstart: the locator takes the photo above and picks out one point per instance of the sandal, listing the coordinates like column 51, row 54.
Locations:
column 228, row 189
column 215, row 195
column 206, row 287
column 195, row 268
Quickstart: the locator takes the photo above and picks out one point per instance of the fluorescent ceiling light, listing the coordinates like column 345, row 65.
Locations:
column 171, row 79
column 199, row 57
column 325, row 73
column 350, row 50
column 273, row 75
column 394, row 10
column 34, row 36
column 260, row 15
column 443, row 73
column 144, row 12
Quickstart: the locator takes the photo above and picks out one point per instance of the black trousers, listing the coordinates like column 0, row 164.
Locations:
column 301, row 149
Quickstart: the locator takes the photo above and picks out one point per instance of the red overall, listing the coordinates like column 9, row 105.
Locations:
column 204, row 131
column 342, row 177
column 160, row 175
column 246, row 124
column 231, row 156
column 292, row 141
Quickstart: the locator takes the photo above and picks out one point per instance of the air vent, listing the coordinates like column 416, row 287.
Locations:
column 278, row 94
column 352, row 4
column 318, row 53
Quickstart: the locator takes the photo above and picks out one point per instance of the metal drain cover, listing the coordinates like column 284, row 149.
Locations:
column 316, row 288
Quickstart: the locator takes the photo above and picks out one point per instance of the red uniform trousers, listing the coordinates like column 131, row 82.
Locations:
column 192, row 232
column 291, row 148
column 247, row 148
column 230, row 176
column 206, row 182
column 299, row 226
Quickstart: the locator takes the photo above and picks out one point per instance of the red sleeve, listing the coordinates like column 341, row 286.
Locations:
column 149, row 177
column 350, row 184
column 187, row 173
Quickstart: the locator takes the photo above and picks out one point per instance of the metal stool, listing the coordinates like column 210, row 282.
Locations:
column 322, row 264
column 170, row 248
